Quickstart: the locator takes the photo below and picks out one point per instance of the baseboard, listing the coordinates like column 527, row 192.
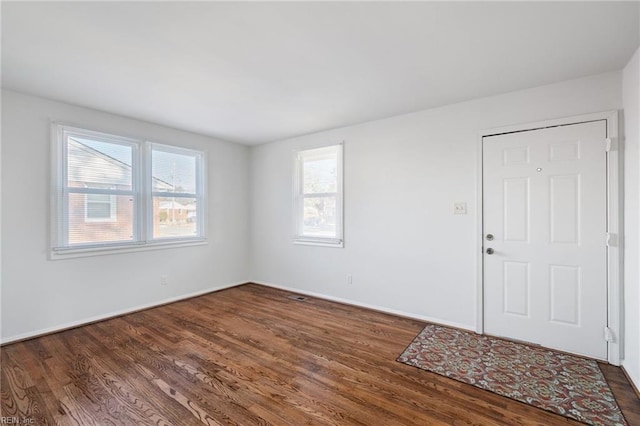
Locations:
column 369, row 306
column 634, row 385
column 86, row 321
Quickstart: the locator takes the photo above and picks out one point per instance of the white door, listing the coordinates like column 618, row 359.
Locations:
column 545, row 223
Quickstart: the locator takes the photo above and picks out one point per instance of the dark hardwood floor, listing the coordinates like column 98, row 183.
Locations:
column 249, row 355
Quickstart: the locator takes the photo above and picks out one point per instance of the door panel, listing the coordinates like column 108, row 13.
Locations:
column 516, row 209
column 565, row 294
column 516, row 288
column 544, row 200
column 564, row 212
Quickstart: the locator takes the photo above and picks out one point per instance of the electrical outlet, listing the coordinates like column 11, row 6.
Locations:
column 459, row 207
column 163, row 280
column 349, row 279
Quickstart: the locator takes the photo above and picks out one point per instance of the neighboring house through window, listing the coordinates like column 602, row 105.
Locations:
column 114, row 192
column 318, row 196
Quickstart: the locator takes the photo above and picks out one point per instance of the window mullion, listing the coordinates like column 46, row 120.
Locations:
column 320, row 195
column 98, row 191
column 145, row 211
column 135, row 193
column 174, row 195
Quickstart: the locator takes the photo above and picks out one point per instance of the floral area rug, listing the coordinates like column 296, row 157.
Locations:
column 567, row 385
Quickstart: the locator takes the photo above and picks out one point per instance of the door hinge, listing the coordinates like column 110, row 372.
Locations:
column 608, row 334
column 609, row 144
column 612, row 240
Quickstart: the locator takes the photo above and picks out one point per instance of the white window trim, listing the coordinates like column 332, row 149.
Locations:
column 298, row 199
column 142, row 239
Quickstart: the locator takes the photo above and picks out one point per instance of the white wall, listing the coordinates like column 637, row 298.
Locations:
column 406, row 250
column 39, row 294
column 631, row 102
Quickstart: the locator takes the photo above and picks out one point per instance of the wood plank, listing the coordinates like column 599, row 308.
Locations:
column 249, row 355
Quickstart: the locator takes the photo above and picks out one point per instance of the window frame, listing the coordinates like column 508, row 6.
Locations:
column 299, row 196
column 140, row 194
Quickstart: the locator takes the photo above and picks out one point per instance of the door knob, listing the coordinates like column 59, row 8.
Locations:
column 489, row 250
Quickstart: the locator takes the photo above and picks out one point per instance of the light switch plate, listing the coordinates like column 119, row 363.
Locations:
column 459, row 207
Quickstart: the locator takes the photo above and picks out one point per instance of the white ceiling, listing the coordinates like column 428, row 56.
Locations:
column 258, row 72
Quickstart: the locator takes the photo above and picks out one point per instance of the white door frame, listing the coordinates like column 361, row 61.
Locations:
column 614, row 223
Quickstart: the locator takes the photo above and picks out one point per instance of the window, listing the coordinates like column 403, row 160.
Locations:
column 113, row 193
column 318, row 196
column 175, row 197
column 100, row 207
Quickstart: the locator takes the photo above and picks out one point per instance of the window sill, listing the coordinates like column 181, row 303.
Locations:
column 73, row 253
column 319, row 242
